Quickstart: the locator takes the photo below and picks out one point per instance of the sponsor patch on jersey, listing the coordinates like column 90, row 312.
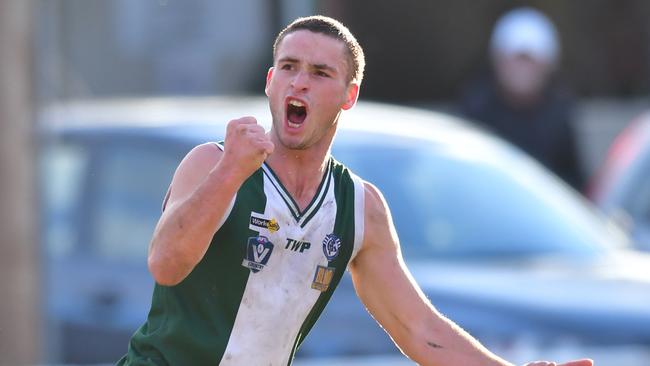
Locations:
column 297, row 245
column 258, row 252
column 331, row 246
column 258, row 221
column 322, row 278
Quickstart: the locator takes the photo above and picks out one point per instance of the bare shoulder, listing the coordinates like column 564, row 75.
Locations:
column 380, row 242
column 378, row 223
column 192, row 170
column 205, row 154
column 198, row 162
column 375, row 204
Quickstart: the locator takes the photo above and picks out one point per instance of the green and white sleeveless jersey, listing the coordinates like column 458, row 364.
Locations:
column 266, row 277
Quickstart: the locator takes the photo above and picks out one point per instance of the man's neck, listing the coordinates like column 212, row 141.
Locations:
column 300, row 171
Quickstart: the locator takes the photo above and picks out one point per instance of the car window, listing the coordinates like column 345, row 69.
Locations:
column 637, row 198
column 130, row 185
column 455, row 202
column 62, row 185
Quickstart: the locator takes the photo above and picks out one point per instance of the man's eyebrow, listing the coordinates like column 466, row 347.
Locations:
column 288, row 59
column 325, row 67
column 293, row 60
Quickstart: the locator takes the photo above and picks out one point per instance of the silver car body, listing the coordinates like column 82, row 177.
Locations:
column 496, row 242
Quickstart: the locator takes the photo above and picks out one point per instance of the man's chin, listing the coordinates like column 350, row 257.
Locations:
column 294, row 145
column 289, row 143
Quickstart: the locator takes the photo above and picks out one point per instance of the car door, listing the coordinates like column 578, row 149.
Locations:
column 99, row 288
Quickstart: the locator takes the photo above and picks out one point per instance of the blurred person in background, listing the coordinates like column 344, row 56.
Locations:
column 520, row 98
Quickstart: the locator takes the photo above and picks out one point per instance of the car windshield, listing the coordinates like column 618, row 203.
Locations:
column 103, row 194
column 485, row 200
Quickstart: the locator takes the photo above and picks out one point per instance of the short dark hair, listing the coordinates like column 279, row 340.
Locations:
column 332, row 28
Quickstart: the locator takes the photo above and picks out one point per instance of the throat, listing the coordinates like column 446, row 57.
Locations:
column 304, row 196
column 300, row 181
column 304, row 188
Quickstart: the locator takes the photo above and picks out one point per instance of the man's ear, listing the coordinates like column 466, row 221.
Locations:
column 351, row 97
column 269, row 75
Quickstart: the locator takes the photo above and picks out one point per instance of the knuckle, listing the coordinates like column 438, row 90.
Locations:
column 230, row 125
column 257, row 129
column 248, row 120
column 233, row 125
column 241, row 121
column 241, row 128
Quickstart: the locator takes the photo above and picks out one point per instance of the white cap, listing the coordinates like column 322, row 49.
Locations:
column 527, row 31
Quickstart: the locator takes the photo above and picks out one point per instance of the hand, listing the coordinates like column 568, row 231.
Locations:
column 246, row 146
column 583, row 362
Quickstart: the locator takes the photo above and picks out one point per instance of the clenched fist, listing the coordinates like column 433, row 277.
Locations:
column 246, row 146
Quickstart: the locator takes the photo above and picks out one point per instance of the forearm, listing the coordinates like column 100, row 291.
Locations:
column 183, row 234
column 440, row 342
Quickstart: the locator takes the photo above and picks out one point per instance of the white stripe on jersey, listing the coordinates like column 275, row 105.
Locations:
column 279, row 297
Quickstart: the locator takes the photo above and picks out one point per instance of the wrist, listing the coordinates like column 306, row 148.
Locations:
column 229, row 175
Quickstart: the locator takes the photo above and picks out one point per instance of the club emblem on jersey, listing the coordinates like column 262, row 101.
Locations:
column 322, row 278
column 331, row 246
column 257, row 221
column 258, row 252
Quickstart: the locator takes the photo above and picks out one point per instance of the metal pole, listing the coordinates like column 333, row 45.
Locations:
column 19, row 264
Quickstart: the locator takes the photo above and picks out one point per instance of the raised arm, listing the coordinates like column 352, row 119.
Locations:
column 201, row 192
column 387, row 289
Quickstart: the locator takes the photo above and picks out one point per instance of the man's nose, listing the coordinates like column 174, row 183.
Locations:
column 300, row 80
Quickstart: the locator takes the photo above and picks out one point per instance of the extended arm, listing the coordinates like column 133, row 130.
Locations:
column 387, row 289
column 201, row 191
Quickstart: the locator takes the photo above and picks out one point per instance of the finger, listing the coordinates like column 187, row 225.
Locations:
column 237, row 124
column 255, row 130
column 263, row 146
column 248, row 120
column 244, row 129
column 269, row 147
column 582, row 362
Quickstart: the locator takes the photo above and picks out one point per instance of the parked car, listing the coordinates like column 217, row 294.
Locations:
column 621, row 187
column 497, row 242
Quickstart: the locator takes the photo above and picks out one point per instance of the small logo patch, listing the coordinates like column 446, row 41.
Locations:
column 258, row 252
column 273, row 226
column 259, row 222
column 322, row 278
column 297, row 245
column 331, row 246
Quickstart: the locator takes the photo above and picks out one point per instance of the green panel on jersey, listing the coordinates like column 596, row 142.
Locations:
column 181, row 330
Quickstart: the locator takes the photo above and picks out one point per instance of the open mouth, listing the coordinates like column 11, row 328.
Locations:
column 296, row 113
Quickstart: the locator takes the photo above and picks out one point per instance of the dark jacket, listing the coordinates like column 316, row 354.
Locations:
column 544, row 131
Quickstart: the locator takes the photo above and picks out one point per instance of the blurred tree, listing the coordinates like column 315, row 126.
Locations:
column 19, row 305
